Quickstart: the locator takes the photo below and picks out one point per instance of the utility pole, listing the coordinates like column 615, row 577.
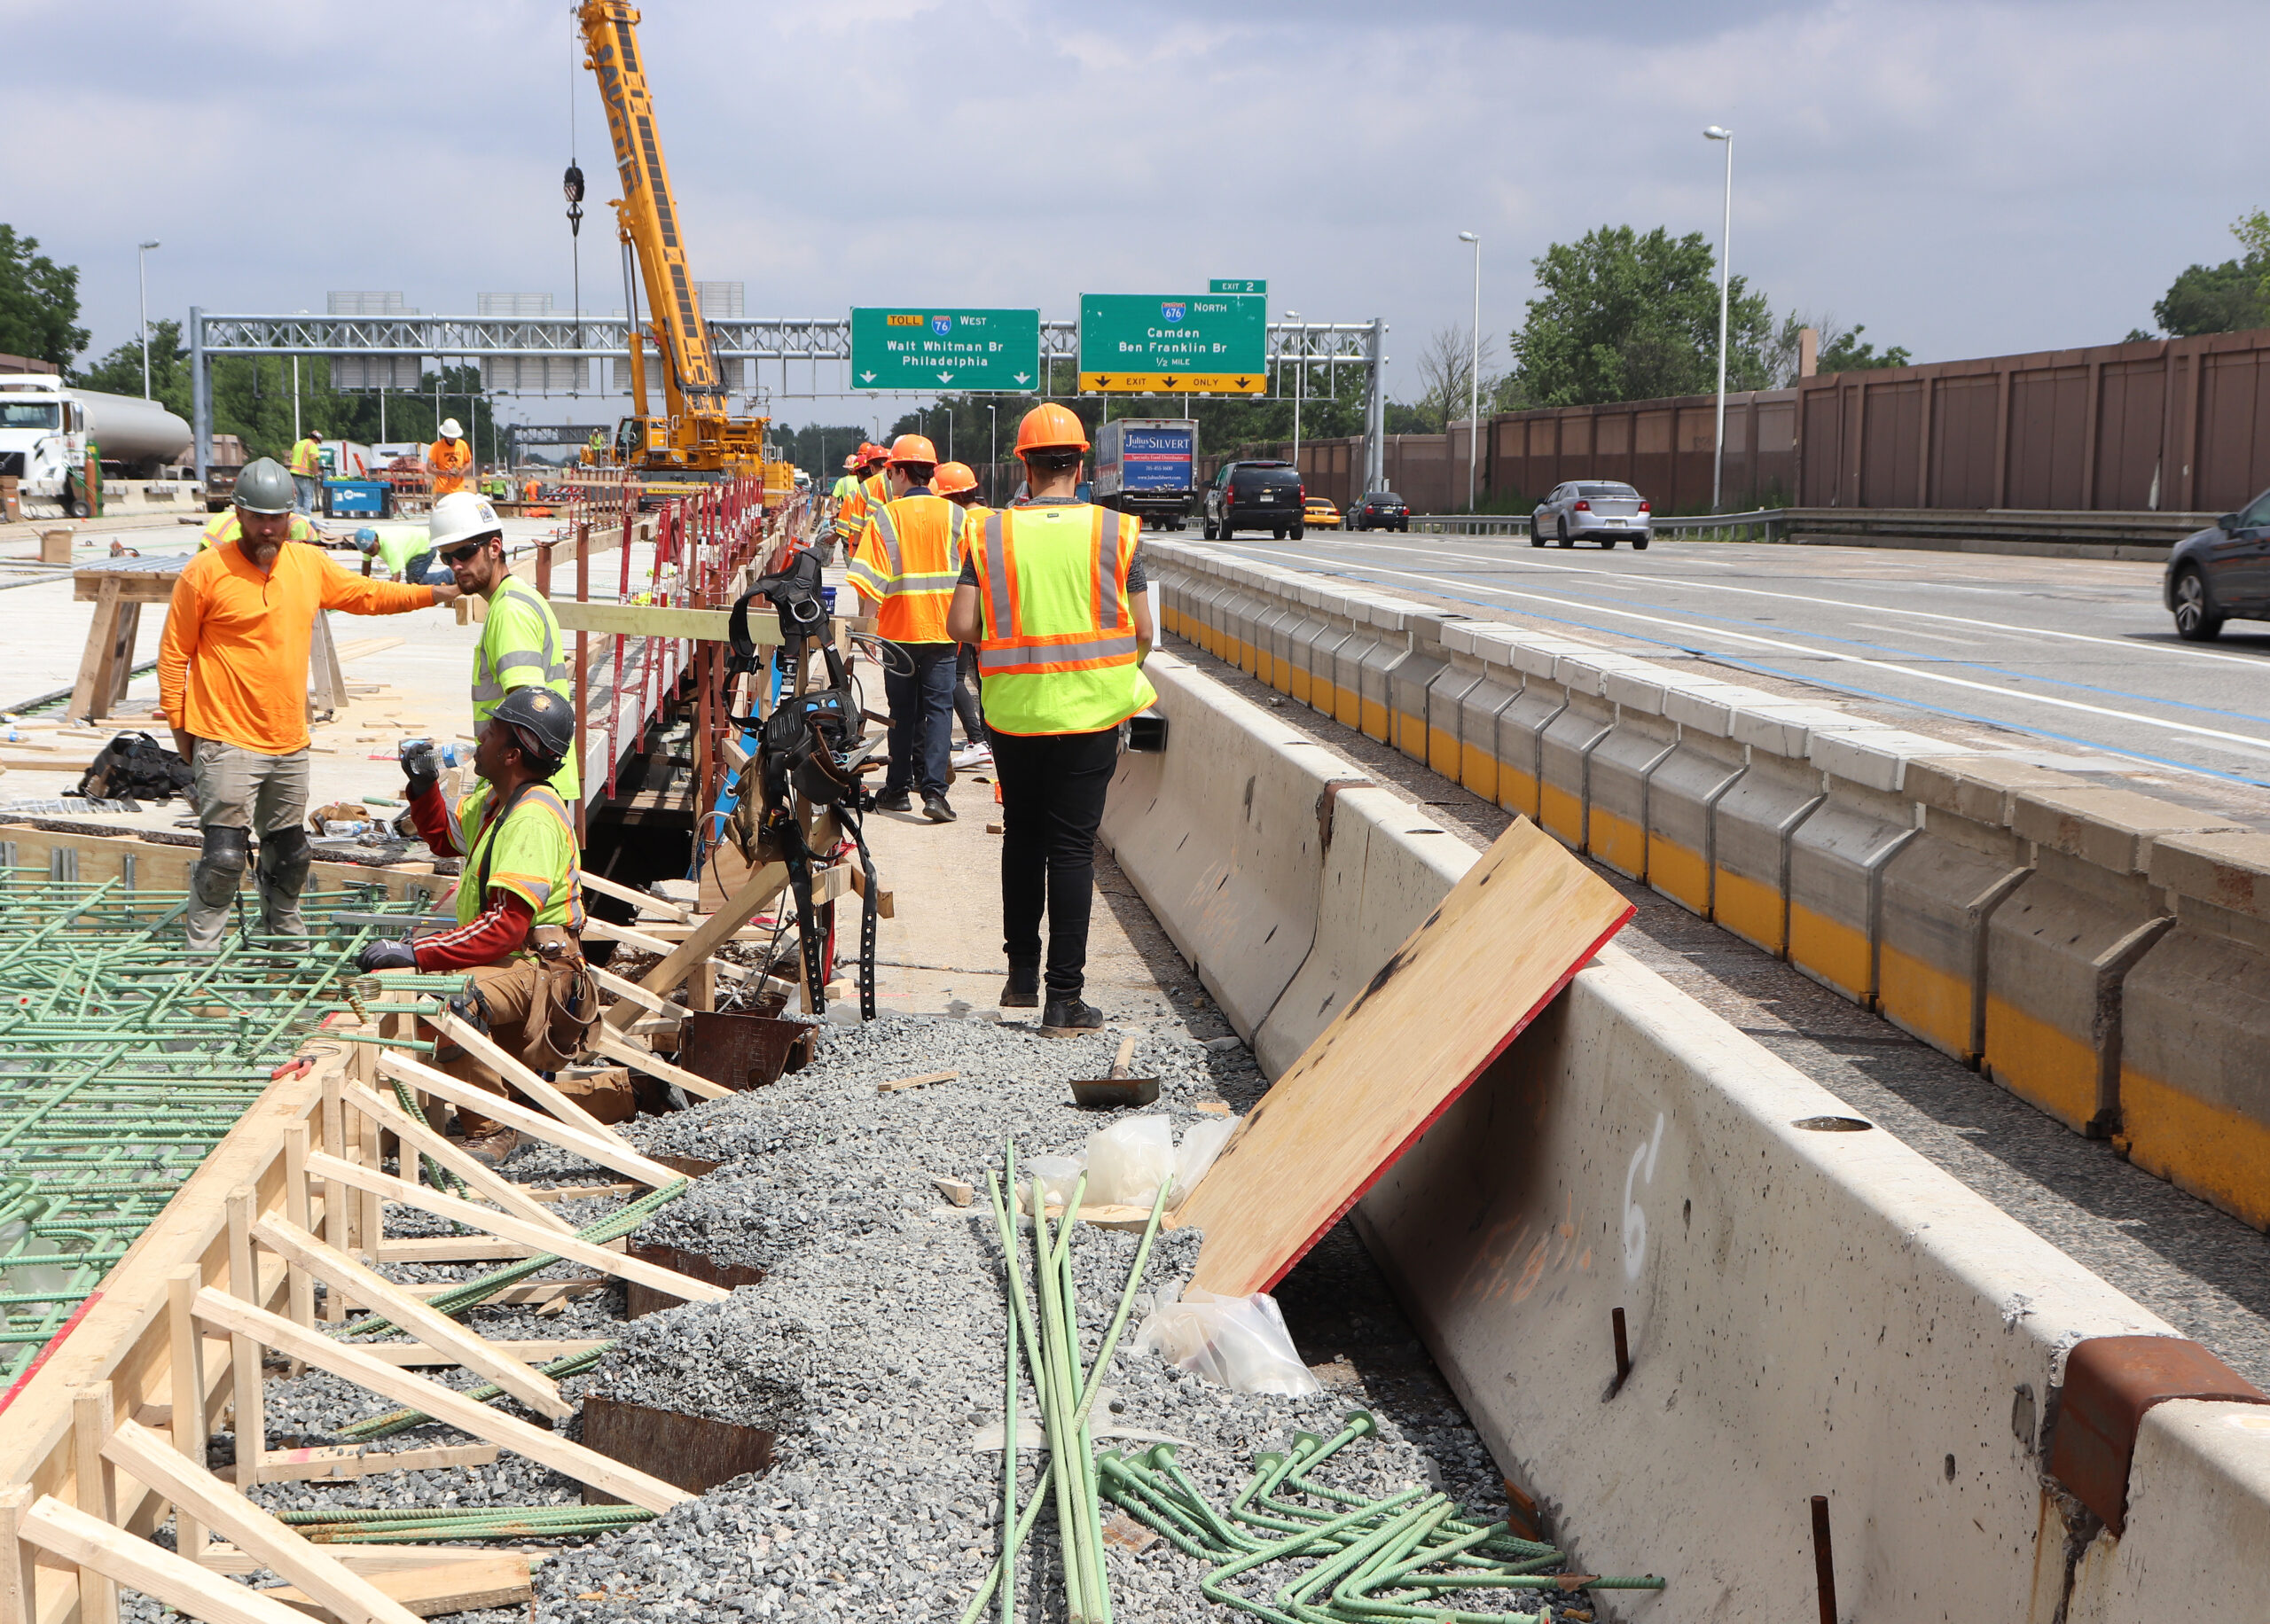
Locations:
column 1474, row 376
column 142, row 261
column 1725, row 231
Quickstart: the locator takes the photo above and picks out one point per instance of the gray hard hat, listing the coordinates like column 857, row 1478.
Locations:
column 540, row 717
column 263, row 487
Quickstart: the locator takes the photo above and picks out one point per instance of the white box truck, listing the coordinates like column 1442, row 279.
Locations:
column 1148, row 466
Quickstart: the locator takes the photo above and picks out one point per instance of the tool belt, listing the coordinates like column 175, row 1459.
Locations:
column 564, row 1004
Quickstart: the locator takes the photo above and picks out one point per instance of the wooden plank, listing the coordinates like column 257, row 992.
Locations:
column 452, row 1249
column 180, row 1584
column 343, row 1463
column 614, row 1046
column 18, row 1578
column 97, row 1488
column 1461, row 988
column 476, row 1173
column 247, row 1387
column 660, row 620
column 539, row 1350
column 437, row 1330
column 603, row 1148
column 482, row 1047
column 430, row 1592
column 646, row 903
column 101, row 633
column 348, row 1597
column 762, row 886
column 444, row 1404
column 923, row 1082
column 620, row 1264
column 376, row 1559
column 528, row 1292
column 624, row 988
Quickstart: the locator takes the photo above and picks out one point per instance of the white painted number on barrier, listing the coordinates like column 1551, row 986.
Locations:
column 1635, row 1221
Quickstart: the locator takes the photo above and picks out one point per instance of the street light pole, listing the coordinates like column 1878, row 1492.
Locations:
column 1725, row 231
column 1300, row 376
column 142, row 261
column 1474, row 376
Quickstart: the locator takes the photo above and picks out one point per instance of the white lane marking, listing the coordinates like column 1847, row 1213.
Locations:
column 2244, row 740
column 2124, row 644
column 1908, row 631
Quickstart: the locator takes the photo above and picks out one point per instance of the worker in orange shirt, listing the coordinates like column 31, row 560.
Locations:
column 449, row 460
column 232, row 683
column 957, row 482
column 906, row 563
column 868, row 492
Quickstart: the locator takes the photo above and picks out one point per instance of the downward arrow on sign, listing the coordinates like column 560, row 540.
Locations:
column 866, row 378
column 945, row 378
column 1022, row 377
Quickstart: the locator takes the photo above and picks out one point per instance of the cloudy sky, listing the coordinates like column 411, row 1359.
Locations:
column 1967, row 179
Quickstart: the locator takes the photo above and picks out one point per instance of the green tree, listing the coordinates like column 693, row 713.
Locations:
column 39, row 302
column 1845, row 352
column 2225, row 298
column 120, row 372
column 1623, row 317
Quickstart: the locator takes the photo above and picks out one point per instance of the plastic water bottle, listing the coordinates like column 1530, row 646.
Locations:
column 345, row 829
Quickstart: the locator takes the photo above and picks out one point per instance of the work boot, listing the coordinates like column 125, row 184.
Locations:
column 1022, row 990
column 495, row 1143
column 935, row 807
column 1070, row 1018
column 893, row 800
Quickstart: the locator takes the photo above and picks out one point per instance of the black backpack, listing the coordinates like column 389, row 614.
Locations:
column 136, row 766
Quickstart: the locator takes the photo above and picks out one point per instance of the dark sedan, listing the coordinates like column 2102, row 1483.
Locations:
column 1382, row 510
column 2221, row 573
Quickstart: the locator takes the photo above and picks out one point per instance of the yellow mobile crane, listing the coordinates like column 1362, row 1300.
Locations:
column 697, row 438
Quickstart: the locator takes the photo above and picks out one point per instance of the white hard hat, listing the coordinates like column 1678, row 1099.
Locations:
column 461, row 516
column 449, row 429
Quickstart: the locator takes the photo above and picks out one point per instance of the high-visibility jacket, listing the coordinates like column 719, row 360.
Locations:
column 844, row 486
column 521, row 645
column 307, row 460
column 451, row 460
column 1057, row 653
column 224, row 526
column 872, row 492
column 906, row 563
column 530, row 851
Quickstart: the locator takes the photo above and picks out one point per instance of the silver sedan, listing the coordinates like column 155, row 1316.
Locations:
column 1597, row 510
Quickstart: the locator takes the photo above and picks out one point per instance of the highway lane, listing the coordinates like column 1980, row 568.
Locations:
column 2078, row 654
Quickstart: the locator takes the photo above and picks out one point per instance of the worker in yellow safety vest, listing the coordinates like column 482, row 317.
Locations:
column 867, row 491
column 957, row 482
column 449, row 460
column 307, row 470
column 1053, row 593
column 841, row 491
column 906, row 563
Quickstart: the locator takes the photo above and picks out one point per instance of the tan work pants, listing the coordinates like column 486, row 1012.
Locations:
column 537, row 1012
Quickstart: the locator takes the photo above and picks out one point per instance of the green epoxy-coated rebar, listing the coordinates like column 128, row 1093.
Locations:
column 124, row 1060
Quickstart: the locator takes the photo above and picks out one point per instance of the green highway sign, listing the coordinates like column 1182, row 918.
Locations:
column 1149, row 343
column 1238, row 284
column 920, row 349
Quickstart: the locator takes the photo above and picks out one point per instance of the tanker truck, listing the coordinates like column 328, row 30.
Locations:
column 45, row 426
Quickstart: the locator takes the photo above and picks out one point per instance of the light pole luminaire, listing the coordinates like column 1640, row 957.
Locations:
column 1474, row 376
column 1725, row 231
column 142, row 262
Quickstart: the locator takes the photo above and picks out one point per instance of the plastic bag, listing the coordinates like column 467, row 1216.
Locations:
column 1200, row 1143
column 1057, row 1175
column 1130, row 1160
column 1240, row 1342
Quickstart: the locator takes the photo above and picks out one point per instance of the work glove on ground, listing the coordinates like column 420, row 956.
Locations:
column 421, row 770
column 386, row 955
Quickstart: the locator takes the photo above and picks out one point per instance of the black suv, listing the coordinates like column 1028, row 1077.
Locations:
column 1382, row 510
column 1255, row 495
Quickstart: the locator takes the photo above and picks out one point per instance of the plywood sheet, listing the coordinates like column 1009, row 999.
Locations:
column 1507, row 938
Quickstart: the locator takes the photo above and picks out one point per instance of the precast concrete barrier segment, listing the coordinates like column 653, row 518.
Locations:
column 2000, row 910
column 1812, row 1308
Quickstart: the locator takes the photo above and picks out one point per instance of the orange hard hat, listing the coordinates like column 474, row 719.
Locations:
column 914, row 449
column 1051, row 427
column 952, row 478
column 870, row 452
column 850, row 460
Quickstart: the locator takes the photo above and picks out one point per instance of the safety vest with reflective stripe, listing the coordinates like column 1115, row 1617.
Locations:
column 531, row 852
column 227, row 527
column 307, row 460
column 1058, row 653
column 907, row 562
column 519, row 644
column 866, row 496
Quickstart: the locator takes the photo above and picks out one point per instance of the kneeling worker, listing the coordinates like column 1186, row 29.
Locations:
column 520, row 902
column 1052, row 596
column 907, row 561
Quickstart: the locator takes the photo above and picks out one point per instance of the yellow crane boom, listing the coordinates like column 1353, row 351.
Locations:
column 697, row 435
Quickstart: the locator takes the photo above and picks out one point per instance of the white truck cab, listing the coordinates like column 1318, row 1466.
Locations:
column 43, row 435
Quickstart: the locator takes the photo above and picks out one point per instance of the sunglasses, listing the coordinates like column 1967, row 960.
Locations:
column 464, row 554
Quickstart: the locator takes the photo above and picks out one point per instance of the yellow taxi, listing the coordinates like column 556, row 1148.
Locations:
column 1318, row 513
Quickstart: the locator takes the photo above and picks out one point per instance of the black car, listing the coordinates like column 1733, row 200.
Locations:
column 1382, row 510
column 2221, row 573
column 1260, row 495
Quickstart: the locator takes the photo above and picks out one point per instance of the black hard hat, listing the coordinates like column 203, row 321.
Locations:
column 541, row 718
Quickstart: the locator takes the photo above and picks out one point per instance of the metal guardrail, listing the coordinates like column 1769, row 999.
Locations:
column 1926, row 526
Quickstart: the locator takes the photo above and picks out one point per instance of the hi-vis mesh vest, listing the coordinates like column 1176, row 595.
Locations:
column 522, row 633
column 908, row 562
column 1059, row 654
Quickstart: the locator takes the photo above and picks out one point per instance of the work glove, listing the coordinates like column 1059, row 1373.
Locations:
column 386, row 956
column 421, row 769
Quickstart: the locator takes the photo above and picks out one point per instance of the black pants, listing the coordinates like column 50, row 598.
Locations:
column 973, row 719
column 1053, row 789
column 921, row 719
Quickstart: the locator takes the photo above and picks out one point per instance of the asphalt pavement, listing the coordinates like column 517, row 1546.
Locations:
column 2075, row 656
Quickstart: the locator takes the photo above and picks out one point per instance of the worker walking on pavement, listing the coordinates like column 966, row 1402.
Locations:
column 906, row 563
column 868, row 491
column 307, row 470
column 232, row 683
column 521, row 645
column 519, row 903
column 449, row 460
column 957, row 482
column 1052, row 594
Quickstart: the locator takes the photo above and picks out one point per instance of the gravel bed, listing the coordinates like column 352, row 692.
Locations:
column 874, row 1348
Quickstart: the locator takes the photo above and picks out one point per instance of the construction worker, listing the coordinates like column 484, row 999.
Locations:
column 957, row 482
column 521, row 645
column 449, row 460
column 867, row 491
column 1052, row 594
column 307, row 470
column 406, row 552
column 232, row 683
column 520, row 905
column 845, row 483
column 907, row 561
